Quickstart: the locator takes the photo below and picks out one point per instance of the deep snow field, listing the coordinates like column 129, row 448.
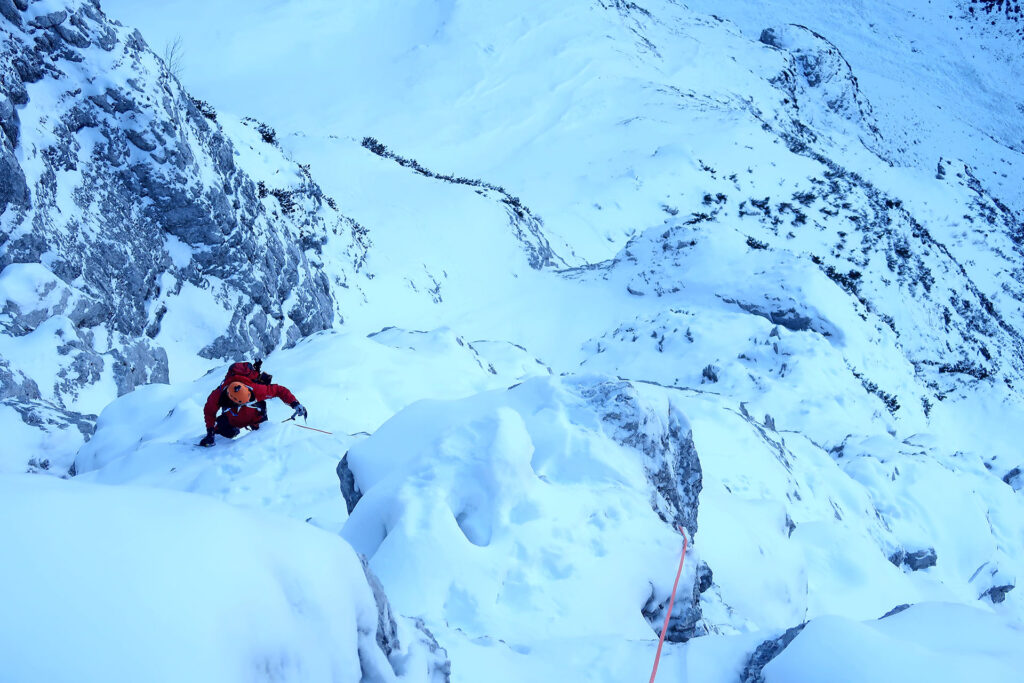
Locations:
column 765, row 286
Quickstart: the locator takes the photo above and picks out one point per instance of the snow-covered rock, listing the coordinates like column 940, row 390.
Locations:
column 820, row 83
column 521, row 504
column 929, row 642
column 1015, row 478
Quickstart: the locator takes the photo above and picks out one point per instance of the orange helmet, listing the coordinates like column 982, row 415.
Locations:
column 239, row 393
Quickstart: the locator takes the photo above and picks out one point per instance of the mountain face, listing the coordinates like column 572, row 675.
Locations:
column 121, row 196
column 555, row 281
column 142, row 233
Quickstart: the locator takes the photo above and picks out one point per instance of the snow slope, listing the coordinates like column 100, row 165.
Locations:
column 526, row 523
column 351, row 385
column 568, row 103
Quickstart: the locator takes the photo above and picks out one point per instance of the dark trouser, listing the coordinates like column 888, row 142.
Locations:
column 224, row 428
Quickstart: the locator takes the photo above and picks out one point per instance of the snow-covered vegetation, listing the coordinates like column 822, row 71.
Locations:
column 552, row 279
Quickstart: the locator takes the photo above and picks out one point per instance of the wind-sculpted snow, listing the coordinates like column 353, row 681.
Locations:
column 533, row 513
column 610, row 550
column 139, row 584
column 521, row 523
column 930, row 642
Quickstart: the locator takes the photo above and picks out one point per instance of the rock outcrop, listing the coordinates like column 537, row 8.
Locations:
column 664, row 437
column 124, row 204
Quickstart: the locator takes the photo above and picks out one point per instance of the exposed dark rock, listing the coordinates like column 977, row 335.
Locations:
column 914, row 560
column 387, row 630
column 1015, row 478
column 705, row 577
column 15, row 385
column 13, row 188
column 997, row 593
column 769, row 37
column 51, row 20
column 788, row 317
column 113, row 101
column 47, row 416
column 153, row 176
column 386, row 638
column 684, row 623
column 895, row 610
column 349, row 491
column 9, row 12
column 921, row 559
column 709, row 373
column 790, row 526
column 673, row 467
column 138, row 363
column 140, row 141
column 674, row 472
column 765, row 653
column 72, row 35
column 9, row 120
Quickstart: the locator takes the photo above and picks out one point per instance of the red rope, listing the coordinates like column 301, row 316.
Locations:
column 313, row 429
column 671, row 601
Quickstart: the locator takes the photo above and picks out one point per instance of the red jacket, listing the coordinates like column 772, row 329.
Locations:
column 247, row 415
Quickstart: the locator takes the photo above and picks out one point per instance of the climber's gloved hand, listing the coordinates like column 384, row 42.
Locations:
column 208, row 439
column 300, row 411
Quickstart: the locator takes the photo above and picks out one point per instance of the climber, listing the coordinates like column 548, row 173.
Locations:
column 243, row 397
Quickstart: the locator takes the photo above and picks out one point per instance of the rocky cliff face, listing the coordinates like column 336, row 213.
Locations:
column 121, row 196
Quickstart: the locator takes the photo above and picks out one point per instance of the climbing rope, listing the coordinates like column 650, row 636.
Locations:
column 671, row 601
column 312, row 429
